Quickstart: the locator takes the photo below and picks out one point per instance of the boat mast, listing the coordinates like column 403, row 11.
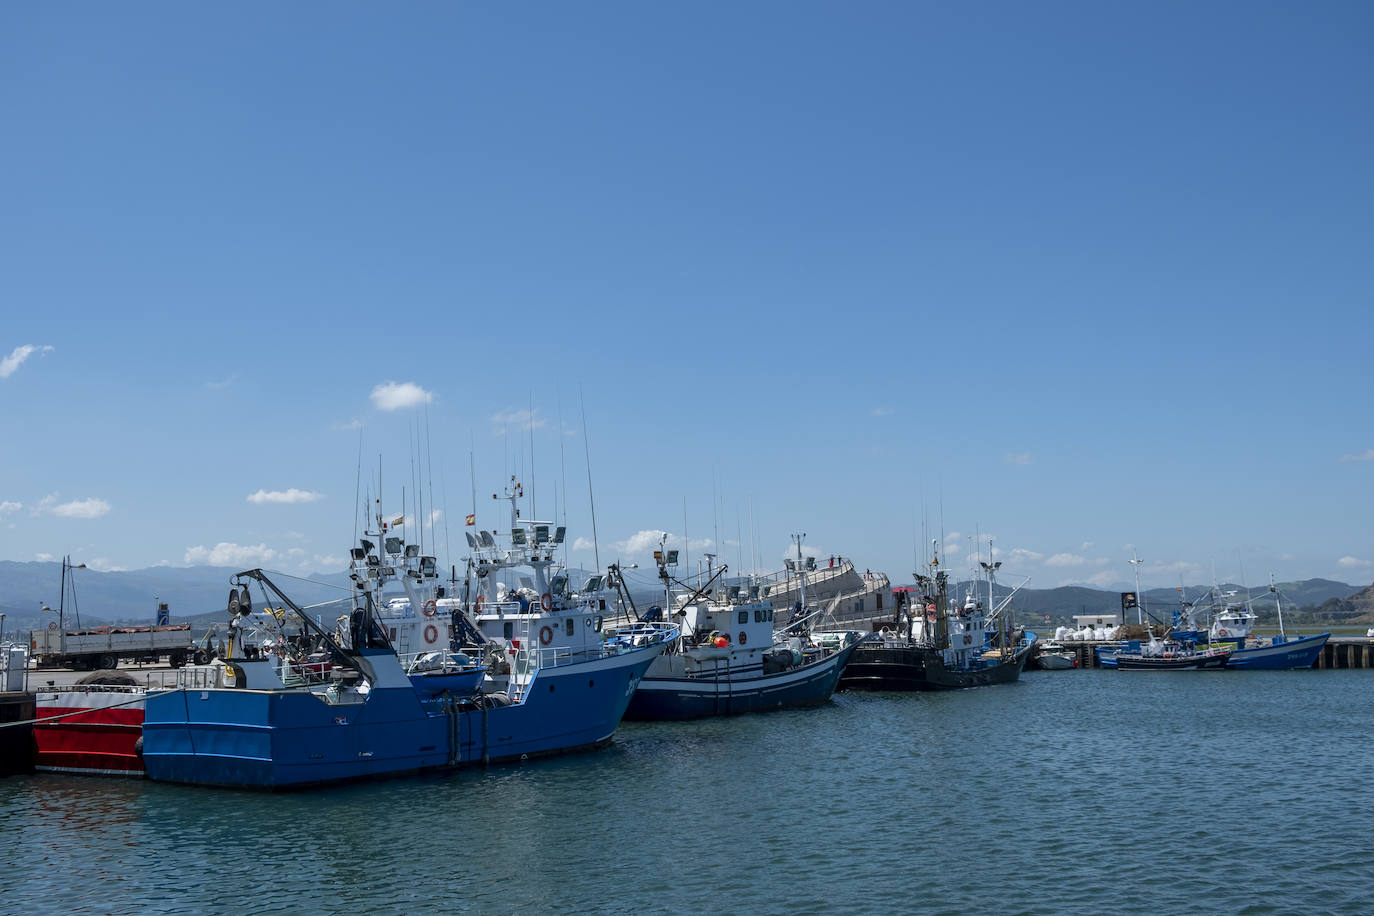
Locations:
column 1283, row 637
column 1139, row 598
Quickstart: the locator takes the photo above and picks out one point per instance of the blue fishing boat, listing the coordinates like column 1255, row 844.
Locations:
column 271, row 722
column 1232, row 626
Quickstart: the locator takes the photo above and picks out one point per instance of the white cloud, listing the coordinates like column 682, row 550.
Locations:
column 1366, row 455
column 646, row 541
column 328, row 561
column 354, row 423
column 640, row 541
column 10, row 363
column 296, row 552
column 101, row 564
column 434, row 516
column 582, row 544
column 396, row 395
column 9, row 506
column 227, row 554
column 284, row 496
column 44, row 557
column 1106, row 577
column 1017, row 457
column 1065, row 559
column 1087, row 545
column 1101, row 561
column 1020, row 553
column 881, row 411
column 953, row 549
column 222, row 384
column 1354, row 563
column 77, row 508
column 520, row 419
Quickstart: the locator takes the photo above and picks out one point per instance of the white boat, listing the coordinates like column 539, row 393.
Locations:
column 1055, row 657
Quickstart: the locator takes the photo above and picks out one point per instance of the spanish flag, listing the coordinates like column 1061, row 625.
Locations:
column 472, row 520
column 401, row 520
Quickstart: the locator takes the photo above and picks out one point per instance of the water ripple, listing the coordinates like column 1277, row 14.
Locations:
column 1070, row 792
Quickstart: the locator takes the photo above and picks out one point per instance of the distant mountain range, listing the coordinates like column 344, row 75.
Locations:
column 1072, row 599
column 199, row 593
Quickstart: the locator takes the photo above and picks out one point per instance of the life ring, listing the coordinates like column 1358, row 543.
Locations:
column 477, row 605
column 546, row 601
column 429, row 607
column 545, row 635
column 431, row 633
column 743, row 637
column 1221, row 631
column 52, row 625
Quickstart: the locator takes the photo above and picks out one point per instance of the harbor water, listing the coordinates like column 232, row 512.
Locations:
column 1074, row 791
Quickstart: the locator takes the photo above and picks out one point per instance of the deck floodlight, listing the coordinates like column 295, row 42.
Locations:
column 394, row 546
column 789, row 565
column 672, row 558
column 517, row 537
column 472, row 542
column 487, row 539
column 559, row 533
column 412, row 551
column 541, row 534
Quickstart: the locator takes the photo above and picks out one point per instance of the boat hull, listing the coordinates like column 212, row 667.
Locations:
column 1214, row 662
column 96, row 735
column 1296, row 653
column 736, row 691
column 278, row 739
column 876, row 666
column 1053, row 661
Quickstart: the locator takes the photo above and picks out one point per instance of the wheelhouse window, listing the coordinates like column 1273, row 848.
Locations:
column 743, row 616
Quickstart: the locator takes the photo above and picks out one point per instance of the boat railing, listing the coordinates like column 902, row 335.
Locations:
column 90, row 688
column 304, row 673
column 191, row 677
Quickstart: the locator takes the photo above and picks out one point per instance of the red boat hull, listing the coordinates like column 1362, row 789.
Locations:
column 97, row 732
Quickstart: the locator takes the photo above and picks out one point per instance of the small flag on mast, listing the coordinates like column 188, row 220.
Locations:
column 472, row 520
column 398, row 521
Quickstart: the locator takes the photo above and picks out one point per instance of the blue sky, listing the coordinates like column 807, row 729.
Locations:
column 1078, row 275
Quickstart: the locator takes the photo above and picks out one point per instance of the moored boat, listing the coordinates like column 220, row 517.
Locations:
column 1163, row 655
column 731, row 658
column 1053, row 656
column 269, row 722
column 934, row 647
